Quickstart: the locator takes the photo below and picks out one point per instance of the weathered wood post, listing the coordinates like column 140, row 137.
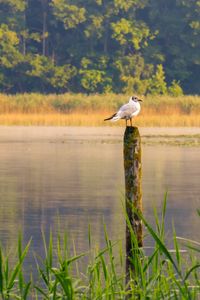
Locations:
column 133, row 193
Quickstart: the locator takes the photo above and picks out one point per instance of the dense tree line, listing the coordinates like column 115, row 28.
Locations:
column 142, row 46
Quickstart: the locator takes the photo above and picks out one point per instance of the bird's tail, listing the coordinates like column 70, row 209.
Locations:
column 110, row 118
column 115, row 118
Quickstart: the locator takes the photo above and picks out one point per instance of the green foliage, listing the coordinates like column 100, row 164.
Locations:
column 59, row 76
column 51, row 39
column 130, row 33
column 95, row 27
column 157, row 84
column 95, row 80
column 178, row 39
column 174, row 89
column 134, row 73
column 16, row 5
column 93, row 75
column 9, row 54
column 12, row 283
column 70, row 15
column 56, row 76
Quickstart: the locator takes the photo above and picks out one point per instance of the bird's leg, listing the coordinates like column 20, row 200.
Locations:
column 126, row 122
column 131, row 122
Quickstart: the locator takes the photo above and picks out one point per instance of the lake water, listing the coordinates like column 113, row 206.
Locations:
column 74, row 177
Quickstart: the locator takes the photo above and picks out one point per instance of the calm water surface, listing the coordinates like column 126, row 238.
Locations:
column 76, row 175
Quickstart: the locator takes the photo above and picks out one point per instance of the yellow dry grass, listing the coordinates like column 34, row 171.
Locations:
column 82, row 110
column 96, row 119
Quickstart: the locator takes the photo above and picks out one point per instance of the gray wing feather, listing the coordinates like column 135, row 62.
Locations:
column 126, row 110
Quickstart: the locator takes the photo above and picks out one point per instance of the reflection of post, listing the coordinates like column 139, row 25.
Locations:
column 133, row 168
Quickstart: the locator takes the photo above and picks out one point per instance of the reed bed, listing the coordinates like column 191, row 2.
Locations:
column 83, row 110
column 96, row 119
column 163, row 274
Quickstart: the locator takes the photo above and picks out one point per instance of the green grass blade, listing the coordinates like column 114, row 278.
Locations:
column 26, row 290
column 21, row 281
column 74, row 258
column 42, row 292
column 44, row 244
column 163, row 215
column 6, row 272
column 18, row 267
column 50, row 251
column 105, row 271
column 89, row 236
column 1, row 272
column 191, row 270
column 65, row 282
column 156, row 218
column 150, row 259
column 44, row 277
column 177, row 250
column 159, row 243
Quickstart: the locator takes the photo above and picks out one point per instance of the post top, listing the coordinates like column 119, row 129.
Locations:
column 132, row 130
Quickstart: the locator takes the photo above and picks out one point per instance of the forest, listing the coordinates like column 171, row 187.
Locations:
column 100, row 46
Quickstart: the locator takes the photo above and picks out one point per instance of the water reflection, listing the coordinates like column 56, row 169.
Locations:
column 45, row 174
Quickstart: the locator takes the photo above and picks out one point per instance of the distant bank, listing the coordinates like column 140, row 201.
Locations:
column 82, row 110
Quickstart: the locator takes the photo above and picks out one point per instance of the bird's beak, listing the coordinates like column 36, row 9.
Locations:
column 140, row 100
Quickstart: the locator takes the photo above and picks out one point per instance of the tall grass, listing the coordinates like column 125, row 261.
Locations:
column 96, row 119
column 65, row 103
column 163, row 274
column 79, row 109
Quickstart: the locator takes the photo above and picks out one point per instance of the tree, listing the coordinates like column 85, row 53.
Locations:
column 94, row 75
column 174, row 89
column 130, row 34
column 131, row 46
column 70, row 15
column 57, row 77
column 133, row 73
column 157, row 84
column 177, row 43
column 9, row 53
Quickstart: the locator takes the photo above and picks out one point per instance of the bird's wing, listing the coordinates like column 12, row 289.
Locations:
column 126, row 110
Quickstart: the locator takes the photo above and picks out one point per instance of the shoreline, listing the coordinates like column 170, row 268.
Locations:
column 177, row 136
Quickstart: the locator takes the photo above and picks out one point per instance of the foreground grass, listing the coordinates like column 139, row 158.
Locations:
column 163, row 274
column 82, row 110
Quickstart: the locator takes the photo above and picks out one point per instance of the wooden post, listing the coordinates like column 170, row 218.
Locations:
column 133, row 174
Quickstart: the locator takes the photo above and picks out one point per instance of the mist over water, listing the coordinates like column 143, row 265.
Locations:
column 66, row 178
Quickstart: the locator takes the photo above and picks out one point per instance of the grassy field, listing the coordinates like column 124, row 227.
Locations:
column 82, row 110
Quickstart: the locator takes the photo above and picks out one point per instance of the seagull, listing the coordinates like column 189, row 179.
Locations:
column 127, row 111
